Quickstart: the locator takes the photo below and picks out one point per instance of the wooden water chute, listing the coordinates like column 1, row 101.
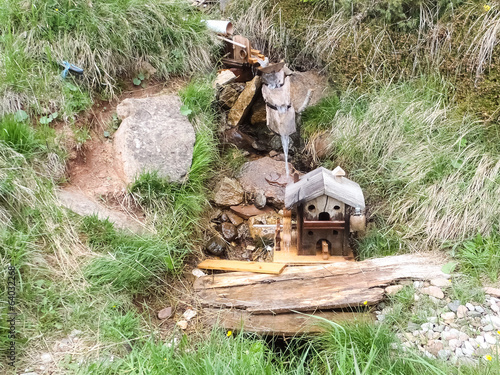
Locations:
column 329, row 207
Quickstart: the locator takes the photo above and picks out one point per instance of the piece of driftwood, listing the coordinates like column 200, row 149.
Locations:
column 311, row 288
column 280, row 324
column 236, row 265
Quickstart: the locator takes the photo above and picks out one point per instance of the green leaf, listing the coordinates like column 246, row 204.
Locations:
column 45, row 120
column 20, row 116
column 107, row 134
column 137, row 81
column 141, row 76
column 169, row 263
column 185, row 111
column 54, row 115
column 457, row 163
column 449, row 267
column 463, row 142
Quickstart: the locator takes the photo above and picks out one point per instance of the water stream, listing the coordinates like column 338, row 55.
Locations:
column 285, row 143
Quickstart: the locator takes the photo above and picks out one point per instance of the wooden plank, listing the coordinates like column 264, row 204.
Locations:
column 309, row 288
column 289, row 324
column 236, row 265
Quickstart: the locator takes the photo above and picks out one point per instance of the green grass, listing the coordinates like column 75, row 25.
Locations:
column 108, row 39
column 414, row 153
column 479, row 256
column 140, row 263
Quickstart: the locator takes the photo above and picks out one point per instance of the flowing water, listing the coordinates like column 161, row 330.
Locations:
column 285, row 142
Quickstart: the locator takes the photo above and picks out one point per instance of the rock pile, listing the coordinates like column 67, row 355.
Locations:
column 454, row 331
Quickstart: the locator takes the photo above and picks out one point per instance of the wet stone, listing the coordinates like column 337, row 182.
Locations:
column 216, row 246
column 229, row 231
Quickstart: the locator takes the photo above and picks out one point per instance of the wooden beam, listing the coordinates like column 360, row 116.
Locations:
column 310, row 288
column 289, row 324
column 336, row 224
column 236, row 265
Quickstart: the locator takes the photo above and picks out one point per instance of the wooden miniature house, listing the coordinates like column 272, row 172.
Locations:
column 324, row 201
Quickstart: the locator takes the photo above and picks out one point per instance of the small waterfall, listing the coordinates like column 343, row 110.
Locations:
column 285, row 142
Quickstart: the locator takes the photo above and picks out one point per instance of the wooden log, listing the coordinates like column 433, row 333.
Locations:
column 309, row 288
column 236, row 265
column 281, row 324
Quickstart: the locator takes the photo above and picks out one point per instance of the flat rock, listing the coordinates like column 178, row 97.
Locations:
column 433, row 291
column 244, row 102
column 247, row 211
column 224, row 77
column 494, row 292
column 265, row 175
column 165, row 313
column 228, row 192
column 393, row 289
column 233, row 218
column 154, row 136
column 82, row 205
column 441, row 282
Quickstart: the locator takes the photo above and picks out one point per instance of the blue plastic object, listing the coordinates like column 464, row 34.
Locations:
column 70, row 67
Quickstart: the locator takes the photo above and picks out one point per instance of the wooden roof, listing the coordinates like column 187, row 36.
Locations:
column 320, row 182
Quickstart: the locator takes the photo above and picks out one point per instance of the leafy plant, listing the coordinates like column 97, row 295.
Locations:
column 479, row 256
column 139, row 80
column 48, row 119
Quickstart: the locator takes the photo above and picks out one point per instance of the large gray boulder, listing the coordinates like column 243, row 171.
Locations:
column 154, row 136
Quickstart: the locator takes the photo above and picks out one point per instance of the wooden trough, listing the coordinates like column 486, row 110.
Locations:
column 277, row 303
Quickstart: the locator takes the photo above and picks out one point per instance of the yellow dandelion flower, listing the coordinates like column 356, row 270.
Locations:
column 57, row 10
column 486, row 7
column 488, row 357
column 498, row 332
column 229, row 333
column 365, row 303
column 164, row 359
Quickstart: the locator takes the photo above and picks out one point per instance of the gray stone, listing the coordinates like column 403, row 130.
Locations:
column 495, row 320
column 216, row 246
column 474, row 313
column 459, row 352
column 461, row 311
column 488, row 328
column 468, row 352
column 453, row 306
column 260, row 200
column 228, row 192
column 154, row 136
column 444, row 354
column 165, row 313
column 244, row 231
column 418, row 284
column 470, row 345
column 439, row 328
column 229, row 231
column 479, row 309
column 470, row 306
column 488, row 337
column 454, row 343
column 230, row 94
column 427, row 327
column 83, row 205
column 265, row 175
column 433, row 291
column 257, row 231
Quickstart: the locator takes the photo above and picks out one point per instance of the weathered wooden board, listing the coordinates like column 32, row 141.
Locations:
column 311, row 288
column 236, row 265
column 289, row 324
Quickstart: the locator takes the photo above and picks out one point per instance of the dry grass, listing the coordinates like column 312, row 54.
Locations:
column 426, row 170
